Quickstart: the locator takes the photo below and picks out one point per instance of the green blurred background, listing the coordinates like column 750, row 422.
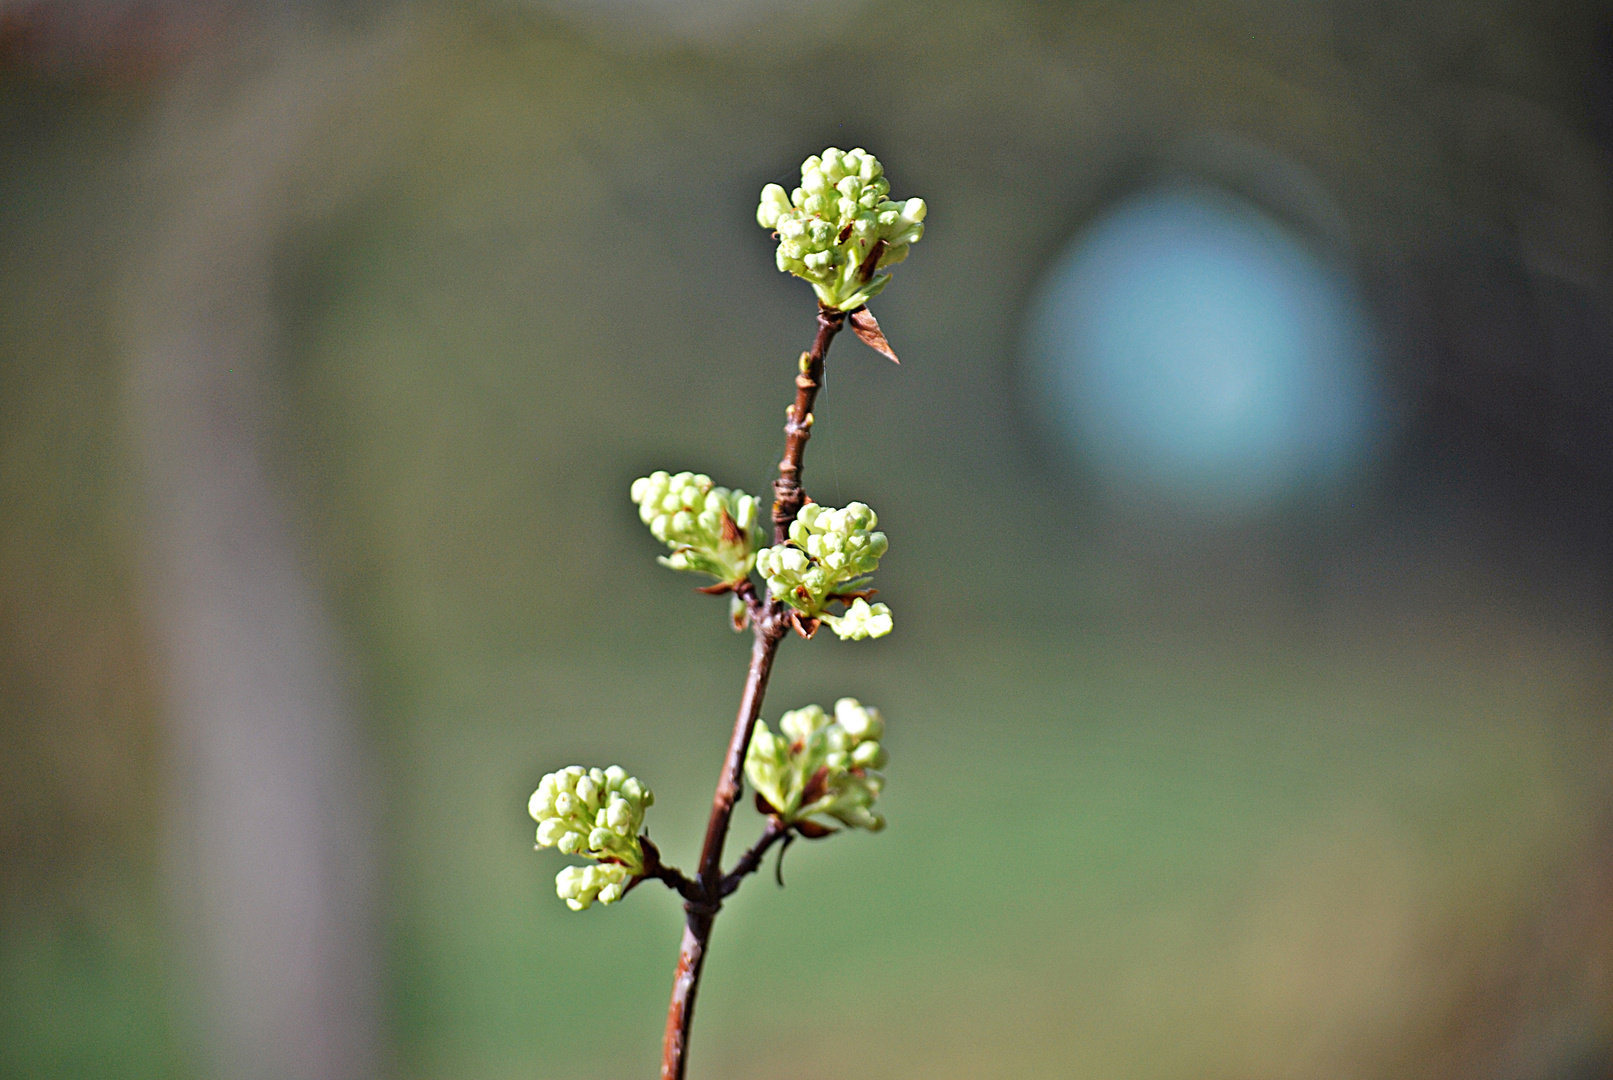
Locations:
column 1312, row 787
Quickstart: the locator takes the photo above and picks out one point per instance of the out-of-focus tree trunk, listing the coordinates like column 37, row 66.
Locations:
column 271, row 788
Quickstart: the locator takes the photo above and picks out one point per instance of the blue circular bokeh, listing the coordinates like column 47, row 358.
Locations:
column 1187, row 342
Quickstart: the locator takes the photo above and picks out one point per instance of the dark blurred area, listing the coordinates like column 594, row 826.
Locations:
column 1247, row 476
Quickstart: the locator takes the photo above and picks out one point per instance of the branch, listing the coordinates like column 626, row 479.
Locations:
column 769, row 623
column 776, row 830
column 787, row 494
column 756, row 605
column 670, row 876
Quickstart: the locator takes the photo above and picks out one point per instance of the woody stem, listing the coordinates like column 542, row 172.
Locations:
column 769, row 628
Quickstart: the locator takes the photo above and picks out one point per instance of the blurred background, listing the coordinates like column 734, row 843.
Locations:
column 1247, row 474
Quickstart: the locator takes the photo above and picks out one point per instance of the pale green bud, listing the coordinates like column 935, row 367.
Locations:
column 821, row 756
column 829, row 552
column 801, row 724
column 541, row 803
column 824, row 236
column 569, row 882
column 597, row 813
column 775, row 203
column 710, row 529
column 870, row 755
column 858, row 720
column 861, row 620
column 580, row 886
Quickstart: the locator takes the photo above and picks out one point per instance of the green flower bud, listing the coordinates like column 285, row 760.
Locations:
column 550, row 830
column 861, row 620
column 710, row 529
column 775, row 204
column 869, row 755
column 580, row 886
column 824, row 237
column 597, row 813
column 829, row 553
column 801, row 724
column 821, row 766
column 859, row 721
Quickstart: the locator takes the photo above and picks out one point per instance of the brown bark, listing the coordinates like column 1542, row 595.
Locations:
column 769, row 623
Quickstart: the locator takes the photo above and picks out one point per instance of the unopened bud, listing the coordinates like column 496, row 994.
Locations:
column 824, row 237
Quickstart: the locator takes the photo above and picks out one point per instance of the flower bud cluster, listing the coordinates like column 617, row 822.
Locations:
column 830, row 225
column 596, row 813
column 710, row 529
column 580, row 886
column 829, row 553
column 861, row 620
column 818, row 765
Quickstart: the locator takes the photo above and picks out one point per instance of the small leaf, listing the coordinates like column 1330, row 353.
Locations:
column 866, row 327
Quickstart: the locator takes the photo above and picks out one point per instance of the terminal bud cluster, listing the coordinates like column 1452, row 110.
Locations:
column 596, row 813
column 828, row 557
column 839, row 228
column 816, row 765
column 710, row 529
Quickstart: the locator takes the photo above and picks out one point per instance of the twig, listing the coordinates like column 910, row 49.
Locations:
column 769, row 624
column 787, row 494
column 749, row 862
column 656, row 870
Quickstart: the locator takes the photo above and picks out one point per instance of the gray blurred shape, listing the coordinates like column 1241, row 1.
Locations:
column 786, row 25
column 271, row 792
